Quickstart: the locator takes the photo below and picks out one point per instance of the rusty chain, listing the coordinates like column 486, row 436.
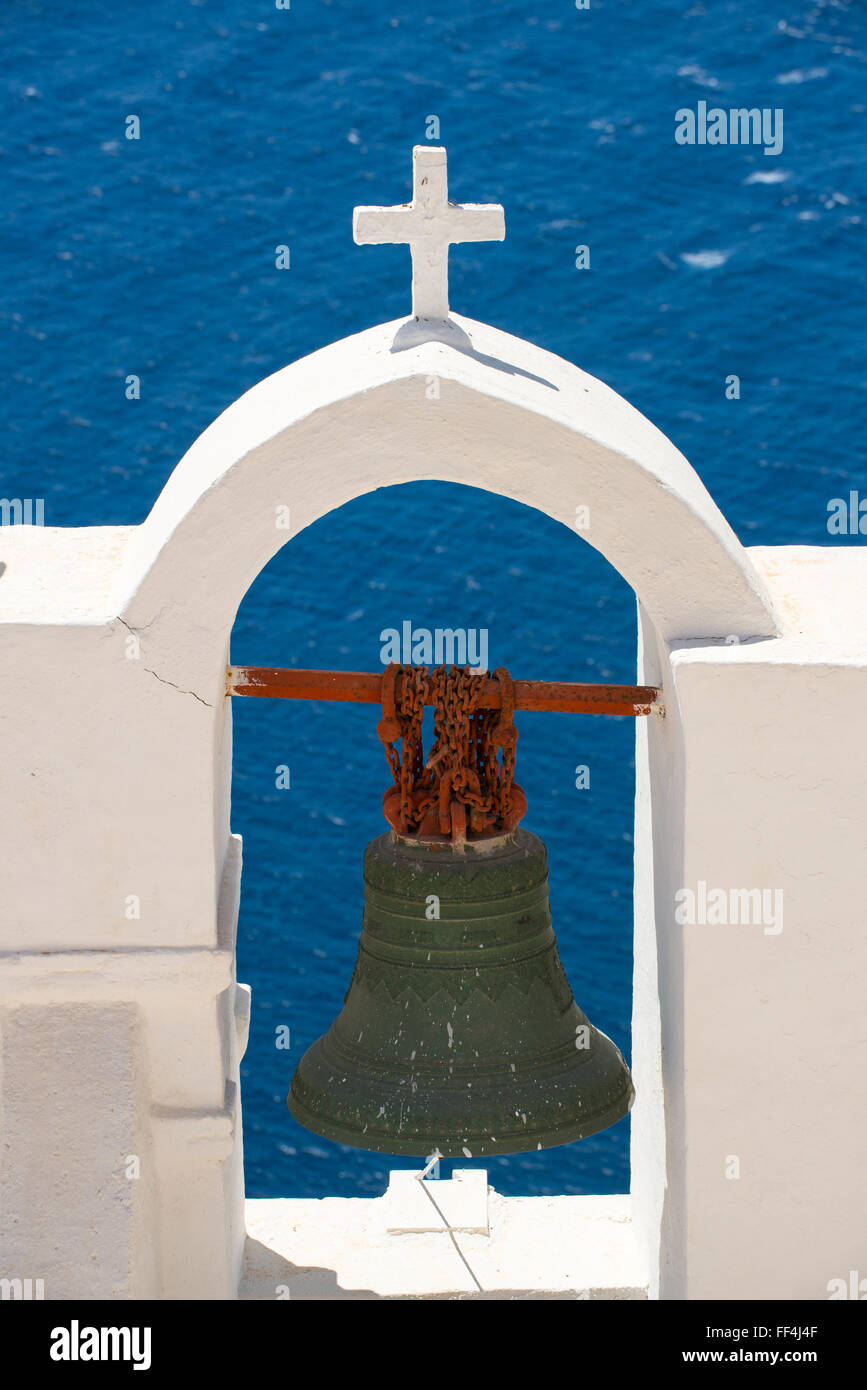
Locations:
column 467, row 782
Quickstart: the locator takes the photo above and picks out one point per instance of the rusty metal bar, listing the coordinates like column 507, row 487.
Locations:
column 365, row 688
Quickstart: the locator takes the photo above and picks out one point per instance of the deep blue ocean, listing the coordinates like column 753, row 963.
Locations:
column 262, row 127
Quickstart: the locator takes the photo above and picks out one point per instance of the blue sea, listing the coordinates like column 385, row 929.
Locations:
column 155, row 257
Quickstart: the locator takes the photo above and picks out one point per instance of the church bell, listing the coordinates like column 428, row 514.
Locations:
column 458, row 1032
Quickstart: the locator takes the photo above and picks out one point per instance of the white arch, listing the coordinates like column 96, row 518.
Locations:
column 484, row 409
column 383, row 408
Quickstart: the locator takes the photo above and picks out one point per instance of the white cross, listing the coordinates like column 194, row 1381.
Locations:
column 430, row 223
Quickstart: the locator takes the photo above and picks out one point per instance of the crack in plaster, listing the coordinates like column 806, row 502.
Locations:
column 179, row 688
column 151, row 672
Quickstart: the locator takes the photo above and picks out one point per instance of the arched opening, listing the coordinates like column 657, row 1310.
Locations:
column 551, row 610
column 520, row 424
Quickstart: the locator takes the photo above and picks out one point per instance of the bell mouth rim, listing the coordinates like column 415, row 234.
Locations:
column 469, row 1147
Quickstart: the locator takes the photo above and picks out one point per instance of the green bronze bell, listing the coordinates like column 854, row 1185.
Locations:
column 459, row 1031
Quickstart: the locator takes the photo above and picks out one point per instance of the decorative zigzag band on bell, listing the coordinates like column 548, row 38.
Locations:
column 459, row 1031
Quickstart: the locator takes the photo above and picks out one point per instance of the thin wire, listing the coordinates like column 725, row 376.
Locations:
column 426, row 1186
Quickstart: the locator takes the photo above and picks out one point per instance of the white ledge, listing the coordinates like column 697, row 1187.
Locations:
column 53, row 975
column 539, row 1247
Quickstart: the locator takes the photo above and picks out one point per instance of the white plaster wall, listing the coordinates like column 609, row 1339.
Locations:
column 776, row 796
column 657, row 1157
column 72, row 1083
column 773, row 1024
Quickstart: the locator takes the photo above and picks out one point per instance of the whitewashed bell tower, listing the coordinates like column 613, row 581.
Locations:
column 121, row 1031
